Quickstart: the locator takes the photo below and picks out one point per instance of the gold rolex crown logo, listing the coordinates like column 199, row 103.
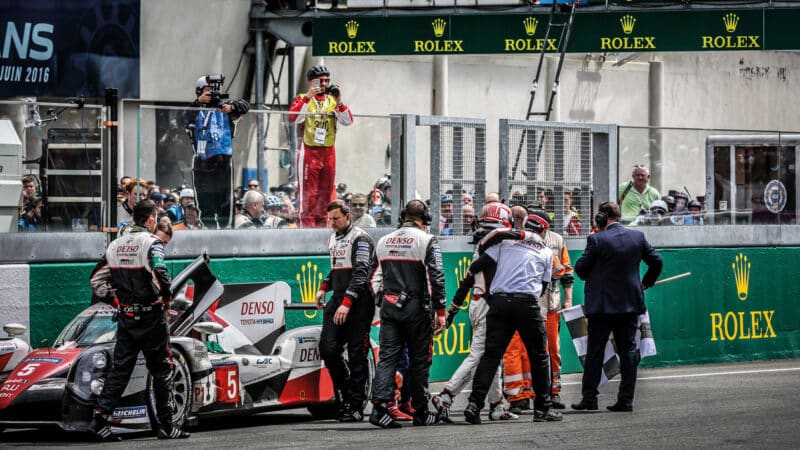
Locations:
column 309, row 281
column 438, row 27
column 627, row 21
column 530, row 25
column 731, row 21
column 461, row 271
column 352, row 28
column 741, row 272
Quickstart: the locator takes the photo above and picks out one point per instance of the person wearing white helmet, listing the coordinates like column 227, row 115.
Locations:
column 319, row 111
column 176, row 213
column 272, row 207
column 212, row 132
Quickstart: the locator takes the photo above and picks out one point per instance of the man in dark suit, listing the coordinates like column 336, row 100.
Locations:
column 614, row 299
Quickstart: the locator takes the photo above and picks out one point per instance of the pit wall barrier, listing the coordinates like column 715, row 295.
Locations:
column 738, row 304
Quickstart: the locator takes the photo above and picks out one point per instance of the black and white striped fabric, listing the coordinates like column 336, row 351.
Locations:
column 578, row 330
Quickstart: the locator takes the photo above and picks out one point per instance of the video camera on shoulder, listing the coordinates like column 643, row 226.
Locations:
column 215, row 82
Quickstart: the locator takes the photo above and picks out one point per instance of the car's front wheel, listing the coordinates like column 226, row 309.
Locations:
column 181, row 394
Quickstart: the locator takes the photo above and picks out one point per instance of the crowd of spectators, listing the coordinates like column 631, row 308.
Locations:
column 277, row 208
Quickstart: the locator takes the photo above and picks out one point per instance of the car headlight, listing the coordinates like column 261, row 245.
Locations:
column 99, row 360
column 97, row 386
column 89, row 372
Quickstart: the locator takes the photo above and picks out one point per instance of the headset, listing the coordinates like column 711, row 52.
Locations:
column 601, row 218
column 426, row 215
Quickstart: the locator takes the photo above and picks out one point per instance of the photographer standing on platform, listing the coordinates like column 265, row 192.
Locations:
column 319, row 110
column 212, row 134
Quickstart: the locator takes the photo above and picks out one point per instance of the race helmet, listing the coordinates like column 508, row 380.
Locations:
column 273, row 201
column 187, row 193
column 536, row 223
column 659, row 207
column 495, row 215
column 316, row 72
column 543, row 214
column 695, row 204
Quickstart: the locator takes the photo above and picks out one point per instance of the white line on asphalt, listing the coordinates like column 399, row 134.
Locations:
column 710, row 374
column 690, row 375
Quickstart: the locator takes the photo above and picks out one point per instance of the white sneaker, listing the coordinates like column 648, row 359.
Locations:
column 500, row 412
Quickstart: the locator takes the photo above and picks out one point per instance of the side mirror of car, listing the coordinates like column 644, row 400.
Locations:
column 208, row 328
column 14, row 329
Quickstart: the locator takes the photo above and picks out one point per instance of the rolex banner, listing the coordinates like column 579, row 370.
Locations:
column 642, row 30
column 578, row 330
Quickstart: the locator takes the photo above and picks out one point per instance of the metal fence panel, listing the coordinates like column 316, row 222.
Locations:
column 458, row 172
column 549, row 165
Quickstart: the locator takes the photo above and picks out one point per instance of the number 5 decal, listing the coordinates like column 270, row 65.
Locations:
column 227, row 378
column 28, row 369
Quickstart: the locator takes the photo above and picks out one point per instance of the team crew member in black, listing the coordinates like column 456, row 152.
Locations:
column 524, row 269
column 348, row 315
column 134, row 272
column 409, row 279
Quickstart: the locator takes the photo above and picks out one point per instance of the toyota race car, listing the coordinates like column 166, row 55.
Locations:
column 231, row 354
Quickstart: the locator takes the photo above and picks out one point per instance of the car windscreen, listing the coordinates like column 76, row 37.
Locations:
column 93, row 326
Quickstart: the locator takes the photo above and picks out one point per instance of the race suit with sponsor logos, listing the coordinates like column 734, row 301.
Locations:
column 351, row 254
column 316, row 161
column 524, row 269
column 133, row 270
column 478, row 307
column 408, row 274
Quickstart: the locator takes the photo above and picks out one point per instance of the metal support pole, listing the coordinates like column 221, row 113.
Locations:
column 259, row 103
column 111, row 127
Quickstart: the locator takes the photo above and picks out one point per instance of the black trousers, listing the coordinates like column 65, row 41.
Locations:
column 624, row 328
column 412, row 326
column 349, row 378
column 213, row 184
column 507, row 315
column 150, row 335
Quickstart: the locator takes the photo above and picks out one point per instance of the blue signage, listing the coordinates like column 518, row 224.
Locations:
column 53, row 48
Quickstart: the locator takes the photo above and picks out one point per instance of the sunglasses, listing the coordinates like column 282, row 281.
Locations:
column 358, row 204
column 253, row 185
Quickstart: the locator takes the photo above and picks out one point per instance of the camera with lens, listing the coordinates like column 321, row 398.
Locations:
column 333, row 90
column 215, row 82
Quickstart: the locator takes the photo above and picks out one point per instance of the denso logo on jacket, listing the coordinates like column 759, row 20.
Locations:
column 400, row 240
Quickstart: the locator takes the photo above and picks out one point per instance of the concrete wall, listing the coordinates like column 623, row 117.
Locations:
column 15, row 296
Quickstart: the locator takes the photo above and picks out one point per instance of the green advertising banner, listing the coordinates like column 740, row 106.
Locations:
column 738, row 304
column 592, row 32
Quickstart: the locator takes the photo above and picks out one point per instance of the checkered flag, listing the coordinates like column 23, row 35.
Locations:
column 578, row 330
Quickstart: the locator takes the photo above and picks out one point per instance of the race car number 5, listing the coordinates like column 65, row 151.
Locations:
column 227, row 384
column 28, row 369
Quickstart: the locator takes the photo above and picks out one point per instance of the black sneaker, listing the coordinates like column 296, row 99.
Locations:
column 172, row 433
column 547, row 416
column 426, row 418
column 518, row 406
column 556, row 402
column 102, row 432
column 342, row 412
column 472, row 414
column 352, row 415
column 380, row 417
